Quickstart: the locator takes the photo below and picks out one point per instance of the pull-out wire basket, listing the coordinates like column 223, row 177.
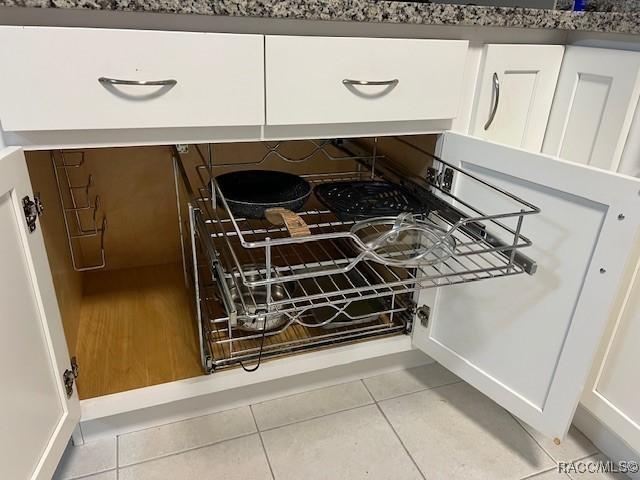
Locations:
column 332, row 268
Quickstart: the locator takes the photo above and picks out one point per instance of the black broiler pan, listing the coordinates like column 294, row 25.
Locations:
column 360, row 200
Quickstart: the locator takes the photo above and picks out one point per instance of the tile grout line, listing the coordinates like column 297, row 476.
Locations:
column 173, row 422
column 238, row 407
column 364, row 385
column 557, row 462
column 198, row 447
column 302, row 420
column 99, row 472
column 264, row 449
column 579, row 460
column 186, row 450
column 424, row 389
column 587, row 456
column 293, row 395
column 259, row 431
column 533, row 438
column 533, row 475
column 315, row 389
column 117, row 457
column 395, row 433
column 87, row 475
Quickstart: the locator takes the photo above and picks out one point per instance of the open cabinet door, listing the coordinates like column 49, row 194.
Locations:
column 37, row 416
column 525, row 341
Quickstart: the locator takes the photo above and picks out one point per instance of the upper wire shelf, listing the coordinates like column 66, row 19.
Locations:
column 325, row 149
column 254, row 253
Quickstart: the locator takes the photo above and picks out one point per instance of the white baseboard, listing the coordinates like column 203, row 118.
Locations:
column 607, row 441
column 246, row 395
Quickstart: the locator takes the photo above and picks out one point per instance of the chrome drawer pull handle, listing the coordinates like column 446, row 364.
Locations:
column 496, row 99
column 143, row 83
column 348, row 81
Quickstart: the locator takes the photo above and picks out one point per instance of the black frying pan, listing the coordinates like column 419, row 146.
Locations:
column 250, row 193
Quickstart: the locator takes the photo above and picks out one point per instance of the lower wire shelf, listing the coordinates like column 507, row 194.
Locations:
column 225, row 345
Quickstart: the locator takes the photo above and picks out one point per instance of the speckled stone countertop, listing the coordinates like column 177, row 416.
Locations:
column 616, row 20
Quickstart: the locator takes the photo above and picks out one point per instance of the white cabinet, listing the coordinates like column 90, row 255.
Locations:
column 525, row 341
column 594, row 121
column 611, row 393
column 85, row 79
column 37, row 415
column 515, row 91
column 594, row 105
column 528, row 341
column 319, row 80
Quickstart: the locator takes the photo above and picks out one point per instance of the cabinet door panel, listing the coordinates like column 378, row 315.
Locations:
column 37, row 417
column 593, row 107
column 528, row 341
column 526, row 78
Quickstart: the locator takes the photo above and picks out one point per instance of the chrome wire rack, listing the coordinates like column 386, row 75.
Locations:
column 331, row 269
column 486, row 246
column 226, row 346
column 83, row 208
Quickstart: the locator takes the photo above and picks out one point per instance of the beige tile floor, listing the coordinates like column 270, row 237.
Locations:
column 422, row 423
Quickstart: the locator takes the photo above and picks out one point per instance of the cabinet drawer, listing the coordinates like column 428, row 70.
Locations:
column 51, row 78
column 315, row 80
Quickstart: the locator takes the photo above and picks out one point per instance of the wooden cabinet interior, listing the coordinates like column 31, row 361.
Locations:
column 133, row 323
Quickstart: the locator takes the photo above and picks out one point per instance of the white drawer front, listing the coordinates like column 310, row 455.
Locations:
column 305, row 79
column 50, row 79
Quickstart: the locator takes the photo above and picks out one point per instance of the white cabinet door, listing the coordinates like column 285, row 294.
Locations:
column 528, row 341
column 36, row 416
column 593, row 108
column 612, row 393
column 515, row 92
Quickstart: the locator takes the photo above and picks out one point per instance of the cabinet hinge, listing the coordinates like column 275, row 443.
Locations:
column 423, row 314
column 69, row 377
column 32, row 210
column 442, row 178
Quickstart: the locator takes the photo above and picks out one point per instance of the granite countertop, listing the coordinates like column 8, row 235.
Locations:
column 620, row 16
